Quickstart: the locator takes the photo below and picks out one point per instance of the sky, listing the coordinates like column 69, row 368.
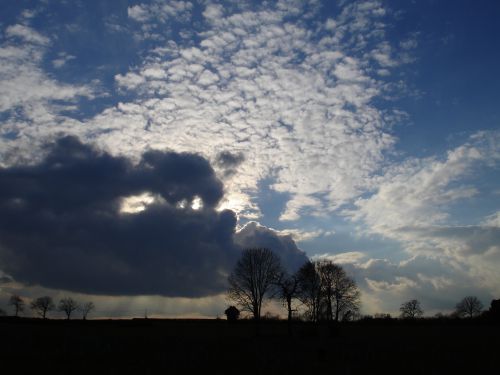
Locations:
column 143, row 144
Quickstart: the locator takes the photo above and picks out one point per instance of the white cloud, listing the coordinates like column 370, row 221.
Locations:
column 159, row 10
column 272, row 93
column 299, row 235
column 412, row 205
column 156, row 18
column 26, row 34
column 62, row 59
column 419, row 191
column 25, row 85
column 139, row 13
column 342, row 258
column 213, row 12
column 437, row 282
column 492, row 220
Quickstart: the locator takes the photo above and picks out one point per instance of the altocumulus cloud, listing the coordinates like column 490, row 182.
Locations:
column 86, row 221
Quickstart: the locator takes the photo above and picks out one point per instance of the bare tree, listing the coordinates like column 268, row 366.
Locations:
column 42, row 305
column 67, row 305
column 340, row 292
column 309, row 292
column 288, row 287
column 411, row 309
column 346, row 296
column 470, row 306
column 328, row 291
column 18, row 303
column 86, row 308
column 253, row 279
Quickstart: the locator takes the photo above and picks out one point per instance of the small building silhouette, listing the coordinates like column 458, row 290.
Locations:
column 232, row 313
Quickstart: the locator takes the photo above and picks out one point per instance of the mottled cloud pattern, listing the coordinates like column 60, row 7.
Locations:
column 294, row 100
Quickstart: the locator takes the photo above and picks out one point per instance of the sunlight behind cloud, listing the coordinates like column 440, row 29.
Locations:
column 136, row 203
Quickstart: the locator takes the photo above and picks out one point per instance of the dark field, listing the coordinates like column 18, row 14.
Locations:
column 221, row 347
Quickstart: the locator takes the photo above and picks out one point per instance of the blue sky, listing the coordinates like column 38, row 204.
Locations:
column 368, row 131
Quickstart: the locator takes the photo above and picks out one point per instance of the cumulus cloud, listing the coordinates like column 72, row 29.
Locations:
column 86, row 221
column 254, row 235
column 5, row 279
column 62, row 225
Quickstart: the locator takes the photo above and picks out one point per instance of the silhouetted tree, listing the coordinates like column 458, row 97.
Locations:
column 340, row 292
column 470, row 306
column 18, row 304
column 411, row 309
column 253, row 279
column 494, row 310
column 288, row 287
column 86, row 308
column 309, row 292
column 67, row 305
column 232, row 313
column 327, row 291
column 42, row 305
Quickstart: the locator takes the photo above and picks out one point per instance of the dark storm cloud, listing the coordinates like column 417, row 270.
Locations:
column 255, row 235
column 61, row 225
column 5, row 280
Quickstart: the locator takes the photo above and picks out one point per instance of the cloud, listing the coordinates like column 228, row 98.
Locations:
column 492, row 220
column 419, row 192
column 347, row 257
column 32, row 99
column 306, row 235
column 228, row 162
column 26, row 34
column 437, row 282
column 156, row 17
column 62, row 225
column 83, row 220
column 107, row 306
column 414, row 204
column 253, row 235
column 158, row 10
column 258, row 81
column 5, row 279
column 62, row 59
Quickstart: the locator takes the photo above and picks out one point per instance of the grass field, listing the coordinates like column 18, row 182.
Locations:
column 218, row 346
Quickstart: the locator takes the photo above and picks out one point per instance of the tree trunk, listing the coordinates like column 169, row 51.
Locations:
column 337, row 311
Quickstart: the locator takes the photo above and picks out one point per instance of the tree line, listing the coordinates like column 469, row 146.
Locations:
column 321, row 287
column 43, row 305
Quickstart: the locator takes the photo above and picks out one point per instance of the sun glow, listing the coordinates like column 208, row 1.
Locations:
column 197, row 204
column 136, row 203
